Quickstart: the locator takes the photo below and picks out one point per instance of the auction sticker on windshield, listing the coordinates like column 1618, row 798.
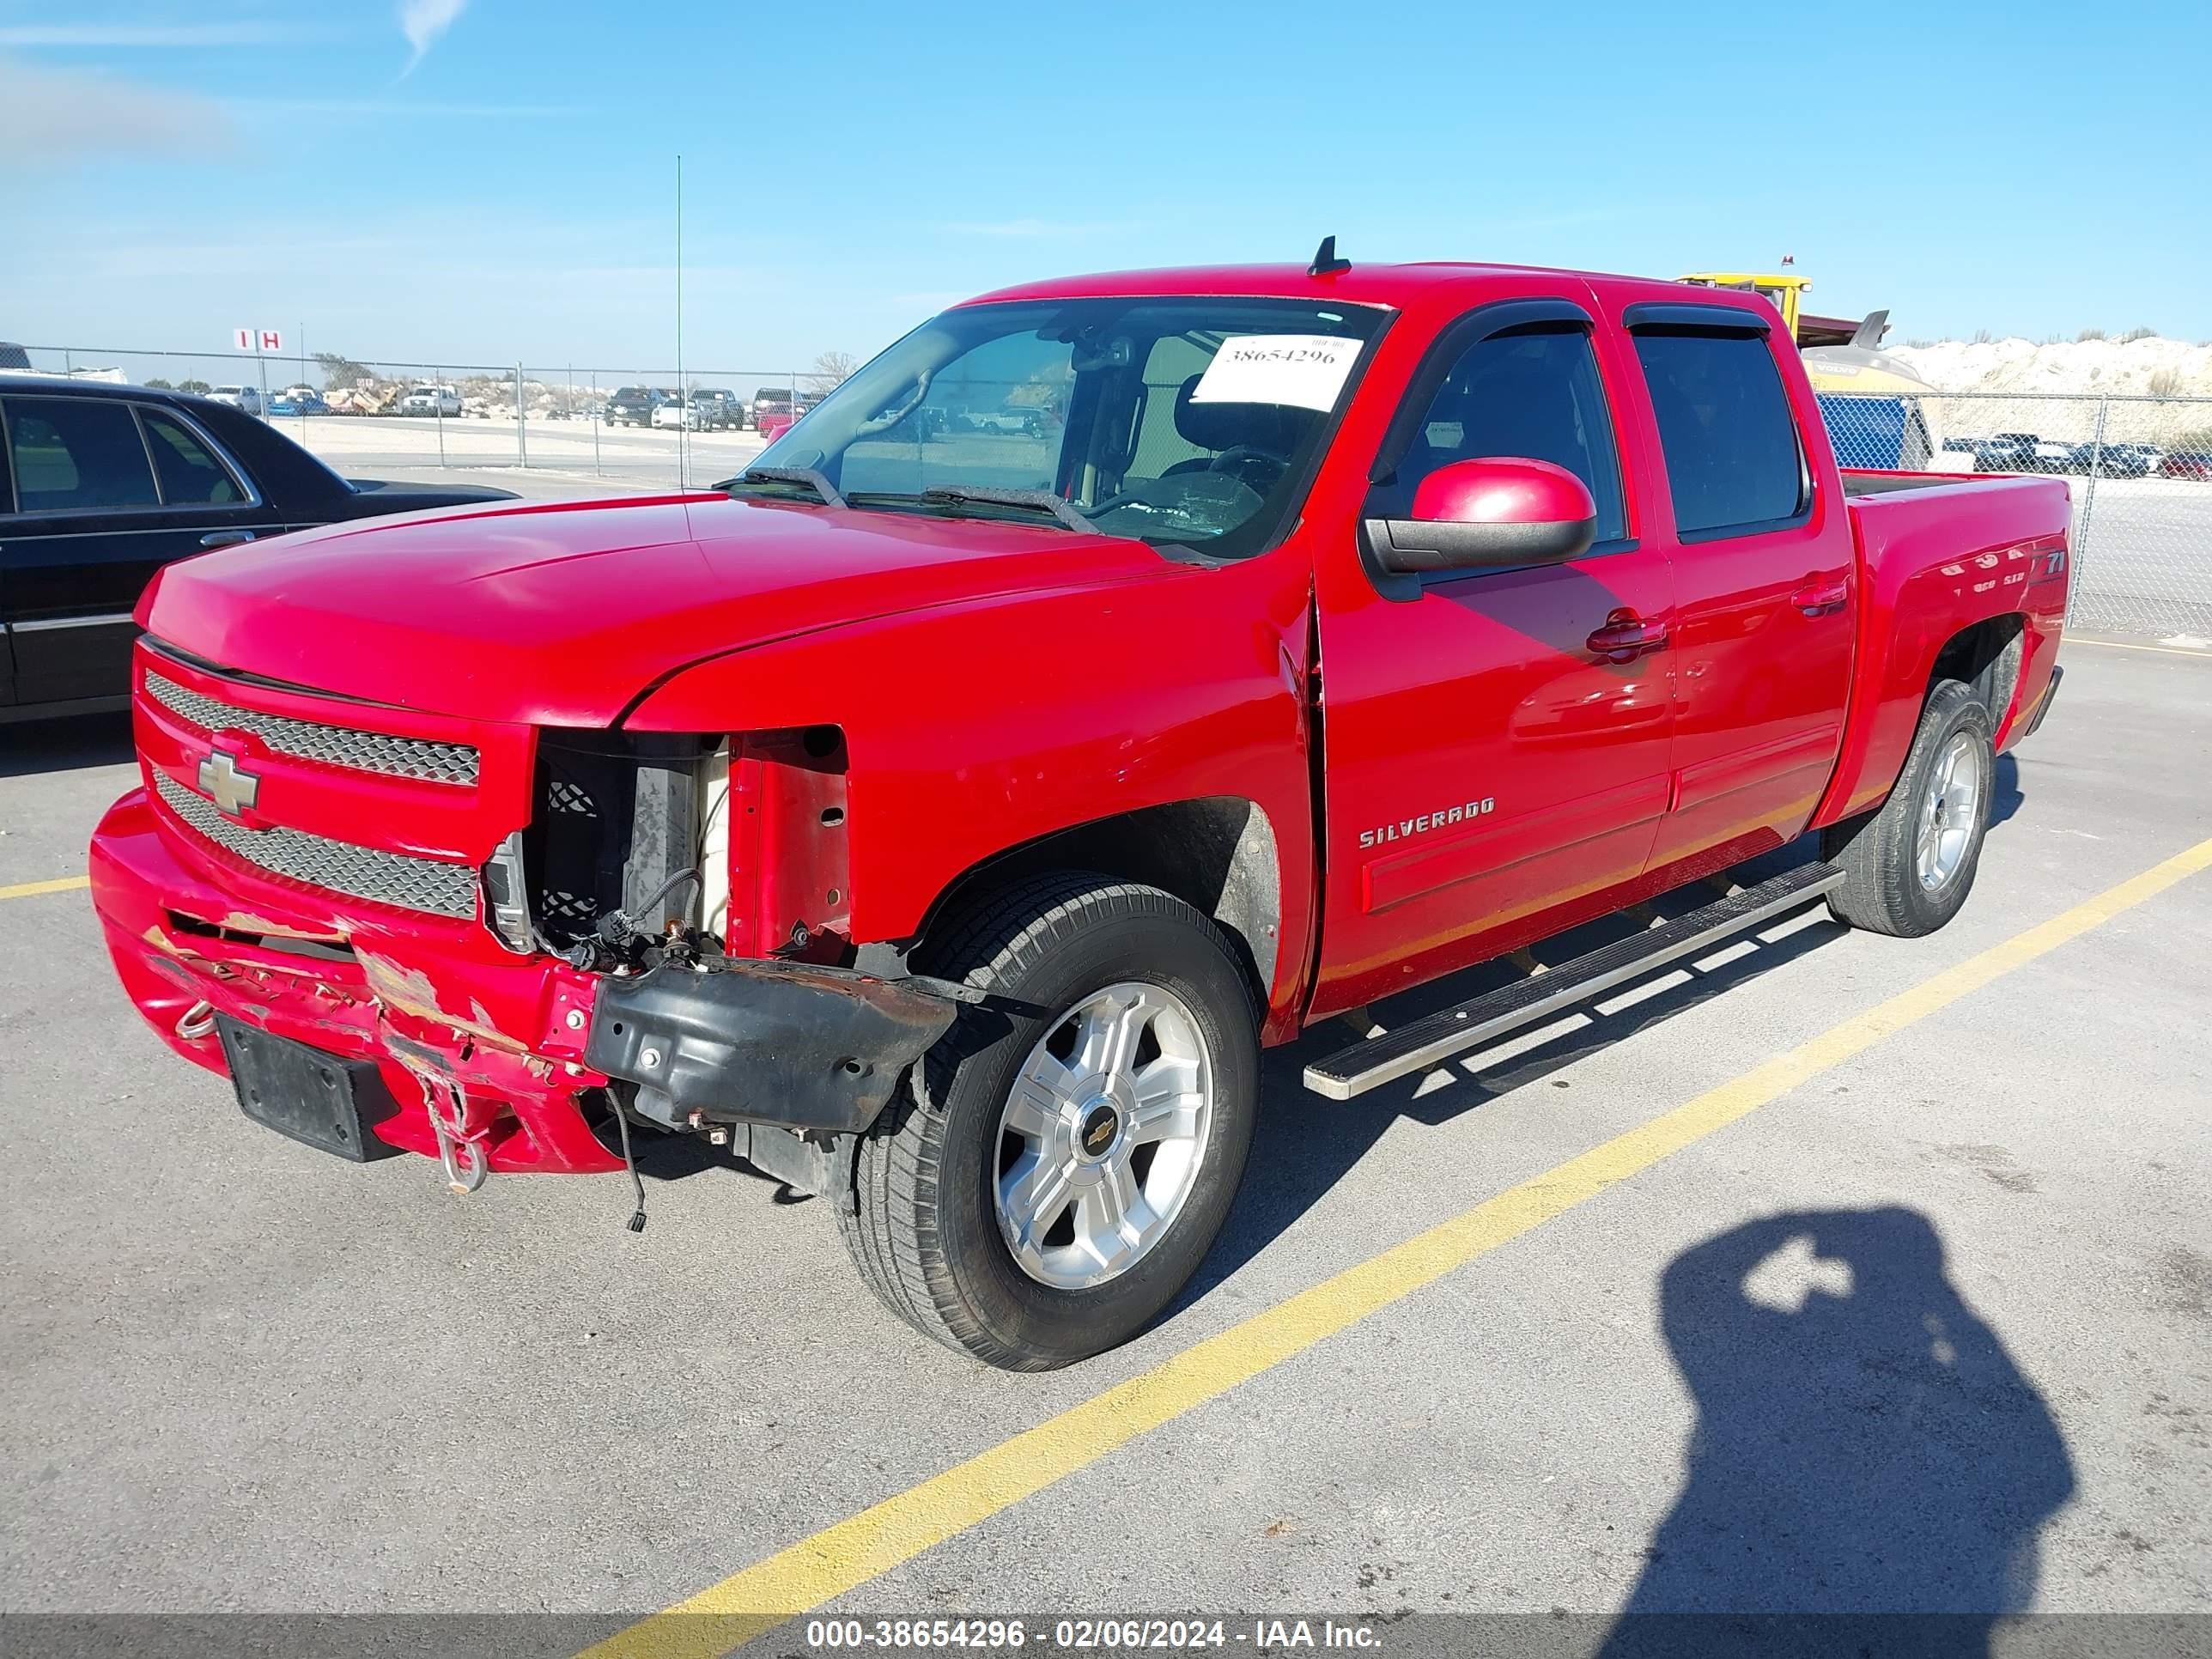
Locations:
column 1304, row 370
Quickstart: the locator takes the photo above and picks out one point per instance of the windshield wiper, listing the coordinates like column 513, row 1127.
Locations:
column 1036, row 500
column 806, row 476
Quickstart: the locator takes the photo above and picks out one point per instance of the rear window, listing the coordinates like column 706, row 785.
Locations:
column 71, row 454
column 191, row 476
column 1731, row 447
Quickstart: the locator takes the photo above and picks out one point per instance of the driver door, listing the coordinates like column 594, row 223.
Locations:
column 1493, row 774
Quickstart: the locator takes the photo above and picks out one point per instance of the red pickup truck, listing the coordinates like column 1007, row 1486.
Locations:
column 942, row 818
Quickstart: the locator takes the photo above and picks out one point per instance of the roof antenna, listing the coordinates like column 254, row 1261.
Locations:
column 1325, row 262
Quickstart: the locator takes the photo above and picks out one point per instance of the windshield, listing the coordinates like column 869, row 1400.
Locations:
column 1180, row 422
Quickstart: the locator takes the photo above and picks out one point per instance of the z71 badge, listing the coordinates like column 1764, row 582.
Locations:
column 1406, row 828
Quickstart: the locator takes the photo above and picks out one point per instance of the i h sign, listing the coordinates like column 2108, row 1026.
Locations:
column 271, row 340
column 245, row 338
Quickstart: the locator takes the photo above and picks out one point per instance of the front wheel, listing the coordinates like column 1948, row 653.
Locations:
column 1908, row 864
column 1071, row 1148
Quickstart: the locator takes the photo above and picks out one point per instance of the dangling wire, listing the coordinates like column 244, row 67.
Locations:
column 629, row 1163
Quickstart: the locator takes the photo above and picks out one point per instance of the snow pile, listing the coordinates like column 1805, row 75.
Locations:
column 2146, row 367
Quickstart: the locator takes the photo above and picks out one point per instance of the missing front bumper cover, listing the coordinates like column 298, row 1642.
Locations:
column 793, row 1044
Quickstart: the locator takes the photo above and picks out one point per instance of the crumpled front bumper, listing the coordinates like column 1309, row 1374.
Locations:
column 503, row 1048
column 418, row 999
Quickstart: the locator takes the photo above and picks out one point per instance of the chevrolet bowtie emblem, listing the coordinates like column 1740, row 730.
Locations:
column 230, row 789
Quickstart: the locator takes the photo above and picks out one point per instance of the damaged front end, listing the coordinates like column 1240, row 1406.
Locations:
column 492, row 944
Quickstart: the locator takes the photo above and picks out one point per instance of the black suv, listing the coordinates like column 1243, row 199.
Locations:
column 100, row 485
column 633, row 405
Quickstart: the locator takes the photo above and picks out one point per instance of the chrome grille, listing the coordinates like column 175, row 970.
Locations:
column 334, row 745
column 337, row 866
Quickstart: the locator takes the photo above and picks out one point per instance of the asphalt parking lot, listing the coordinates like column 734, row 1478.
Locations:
column 1834, row 1273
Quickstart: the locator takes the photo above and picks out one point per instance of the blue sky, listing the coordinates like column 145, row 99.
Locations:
column 491, row 180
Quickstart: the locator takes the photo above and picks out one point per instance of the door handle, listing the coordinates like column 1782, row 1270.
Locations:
column 1626, row 636
column 1819, row 598
column 226, row 538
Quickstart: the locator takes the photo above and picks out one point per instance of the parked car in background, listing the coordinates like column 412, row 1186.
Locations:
column 238, row 396
column 633, row 405
column 2047, row 455
column 715, row 409
column 2114, row 460
column 298, row 401
column 772, row 401
column 2006, row 452
column 443, row 402
column 671, row 415
column 101, row 485
column 2186, row 464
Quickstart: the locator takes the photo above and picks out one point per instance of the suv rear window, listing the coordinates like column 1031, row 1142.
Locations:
column 1732, row 459
column 74, row 453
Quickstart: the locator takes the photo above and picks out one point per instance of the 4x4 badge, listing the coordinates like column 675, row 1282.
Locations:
column 231, row 790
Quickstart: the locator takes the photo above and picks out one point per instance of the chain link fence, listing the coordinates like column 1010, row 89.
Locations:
column 640, row 425
column 2141, row 467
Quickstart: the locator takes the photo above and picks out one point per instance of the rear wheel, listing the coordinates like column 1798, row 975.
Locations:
column 1909, row 865
column 1056, row 1177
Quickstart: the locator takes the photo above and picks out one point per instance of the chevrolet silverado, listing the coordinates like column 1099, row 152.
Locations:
column 942, row 819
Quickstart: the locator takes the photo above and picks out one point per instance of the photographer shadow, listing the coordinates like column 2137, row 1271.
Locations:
column 1868, row 1470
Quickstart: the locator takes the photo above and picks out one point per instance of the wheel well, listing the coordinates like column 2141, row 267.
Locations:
column 1985, row 659
column 1216, row 854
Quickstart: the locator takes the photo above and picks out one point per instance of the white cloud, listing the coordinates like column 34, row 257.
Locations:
column 423, row 21
column 52, row 115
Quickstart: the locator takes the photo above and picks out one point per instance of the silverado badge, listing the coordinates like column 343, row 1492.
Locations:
column 1459, row 812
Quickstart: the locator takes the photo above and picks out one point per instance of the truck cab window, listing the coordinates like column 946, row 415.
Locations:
column 1187, row 422
column 1733, row 465
column 1532, row 394
column 71, row 454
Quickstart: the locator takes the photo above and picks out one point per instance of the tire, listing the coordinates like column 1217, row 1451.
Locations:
column 1908, row 864
column 928, row 1220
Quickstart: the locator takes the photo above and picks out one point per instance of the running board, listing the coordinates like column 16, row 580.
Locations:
column 1421, row 1045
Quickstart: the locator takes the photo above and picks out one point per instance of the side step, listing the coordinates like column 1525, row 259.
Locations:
column 1421, row 1045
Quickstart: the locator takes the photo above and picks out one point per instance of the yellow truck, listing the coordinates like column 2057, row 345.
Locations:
column 1880, row 413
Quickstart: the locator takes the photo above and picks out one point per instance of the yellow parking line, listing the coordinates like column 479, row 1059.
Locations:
column 841, row 1557
column 33, row 888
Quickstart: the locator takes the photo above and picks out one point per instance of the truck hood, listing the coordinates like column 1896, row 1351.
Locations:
column 564, row 614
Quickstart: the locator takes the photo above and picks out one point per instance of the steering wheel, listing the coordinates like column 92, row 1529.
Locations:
column 1251, row 466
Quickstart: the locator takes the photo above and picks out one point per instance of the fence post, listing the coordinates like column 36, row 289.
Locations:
column 598, row 418
column 2081, row 542
column 438, row 407
column 521, row 422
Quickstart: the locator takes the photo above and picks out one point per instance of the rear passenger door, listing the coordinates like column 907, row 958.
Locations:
column 1764, row 570
column 108, row 490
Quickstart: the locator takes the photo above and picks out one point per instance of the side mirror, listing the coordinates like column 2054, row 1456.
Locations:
column 1491, row 513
